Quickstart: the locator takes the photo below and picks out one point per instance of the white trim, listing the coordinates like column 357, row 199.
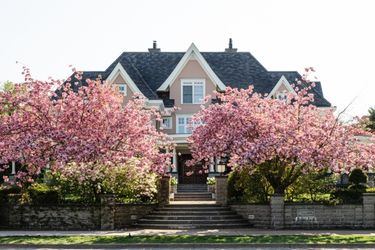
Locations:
column 192, row 52
column 193, row 82
column 282, row 81
column 119, row 70
column 179, row 138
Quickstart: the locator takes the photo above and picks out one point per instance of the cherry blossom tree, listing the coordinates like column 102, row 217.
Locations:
column 281, row 139
column 51, row 125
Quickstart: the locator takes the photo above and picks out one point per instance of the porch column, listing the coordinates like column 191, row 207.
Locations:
column 174, row 170
column 212, row 165
column 13, row 168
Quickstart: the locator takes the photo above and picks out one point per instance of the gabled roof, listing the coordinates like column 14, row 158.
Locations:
column 292, row 76
column 149, row 70
column 192, row 52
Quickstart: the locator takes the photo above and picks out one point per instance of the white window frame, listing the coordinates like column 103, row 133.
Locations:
column 125, row 88
column 170, row 122
column 186, row 124
column 192, row 82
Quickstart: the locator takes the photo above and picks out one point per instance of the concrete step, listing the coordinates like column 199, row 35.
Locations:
column 193, row 209
column 195, row 226
column 189, row 222
column 206, row 213
column 187, row 216
column 193, row 199
column 193, row 217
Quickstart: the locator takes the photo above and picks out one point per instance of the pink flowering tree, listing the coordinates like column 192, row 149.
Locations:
column 89, row 127
column 282, row 140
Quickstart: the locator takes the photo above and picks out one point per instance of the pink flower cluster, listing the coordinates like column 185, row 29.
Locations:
column 250, row 129
column 92, row 125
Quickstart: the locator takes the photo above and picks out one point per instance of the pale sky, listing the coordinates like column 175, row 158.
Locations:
column 335, row 37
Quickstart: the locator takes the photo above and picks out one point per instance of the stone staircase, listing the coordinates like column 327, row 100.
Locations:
column 193, row 207
column 194, row 188
column 185, row 216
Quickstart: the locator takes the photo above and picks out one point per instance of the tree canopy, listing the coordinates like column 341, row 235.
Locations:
column 90, row 127
column 282, row 139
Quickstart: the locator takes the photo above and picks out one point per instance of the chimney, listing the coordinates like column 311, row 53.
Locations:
column 154, row 48
column 230, row 48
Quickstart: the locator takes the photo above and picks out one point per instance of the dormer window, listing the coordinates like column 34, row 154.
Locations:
column 122, row 89
column 192, row 91
column 282, row 96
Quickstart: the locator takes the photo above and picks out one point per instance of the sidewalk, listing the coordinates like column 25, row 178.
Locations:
column 197, row 232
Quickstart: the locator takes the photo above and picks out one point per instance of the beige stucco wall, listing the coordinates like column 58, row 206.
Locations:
column 281, row 88
column 192, row 70
column 120, row 80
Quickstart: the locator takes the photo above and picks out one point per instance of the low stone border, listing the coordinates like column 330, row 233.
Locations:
column 186, row 245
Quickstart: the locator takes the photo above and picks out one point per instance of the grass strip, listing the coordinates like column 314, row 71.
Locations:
column 280, row 239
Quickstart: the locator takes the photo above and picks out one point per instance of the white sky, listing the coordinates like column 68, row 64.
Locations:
column 335, row 37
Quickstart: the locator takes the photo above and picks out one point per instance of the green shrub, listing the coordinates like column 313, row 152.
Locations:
column 248, row 186
column 347, row 195
column 358, row 179
column 211, row 181
column 5, row 191
column 41, row 193
column 311, row 187
column 126, row 181
column 174, row 181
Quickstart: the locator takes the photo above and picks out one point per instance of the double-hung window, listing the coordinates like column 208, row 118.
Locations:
column 185, row 124
column 192, row 91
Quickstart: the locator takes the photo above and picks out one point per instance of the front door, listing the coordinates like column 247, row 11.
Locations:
column 190, row 174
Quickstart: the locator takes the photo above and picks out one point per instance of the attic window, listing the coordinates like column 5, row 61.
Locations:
column 122, row 89
column 282, row 96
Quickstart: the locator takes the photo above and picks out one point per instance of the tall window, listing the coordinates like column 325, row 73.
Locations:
column 192, row 91
column 167, row 122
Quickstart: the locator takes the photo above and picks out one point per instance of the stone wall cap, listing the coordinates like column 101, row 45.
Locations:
column 368, row 194
column 221, row 176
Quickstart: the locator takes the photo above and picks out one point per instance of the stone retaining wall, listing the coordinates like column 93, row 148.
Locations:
column 71, row 217
column 126, row 214
column 279, row 215
column 258, row 215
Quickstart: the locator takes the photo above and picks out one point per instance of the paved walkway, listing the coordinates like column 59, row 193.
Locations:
column 202, row 232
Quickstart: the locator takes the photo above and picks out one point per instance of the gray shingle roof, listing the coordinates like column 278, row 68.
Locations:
column 237, row 70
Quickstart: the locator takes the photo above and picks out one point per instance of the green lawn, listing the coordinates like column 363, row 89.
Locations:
column 309, row 239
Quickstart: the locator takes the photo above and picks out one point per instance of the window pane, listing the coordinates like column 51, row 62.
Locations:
column 181, row 121
column 167, row 123
column 188, row 125
column 198, row 93
column 187, row 92
column 181, row 129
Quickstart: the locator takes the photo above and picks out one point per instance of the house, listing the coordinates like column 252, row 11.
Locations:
column 183, row 79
